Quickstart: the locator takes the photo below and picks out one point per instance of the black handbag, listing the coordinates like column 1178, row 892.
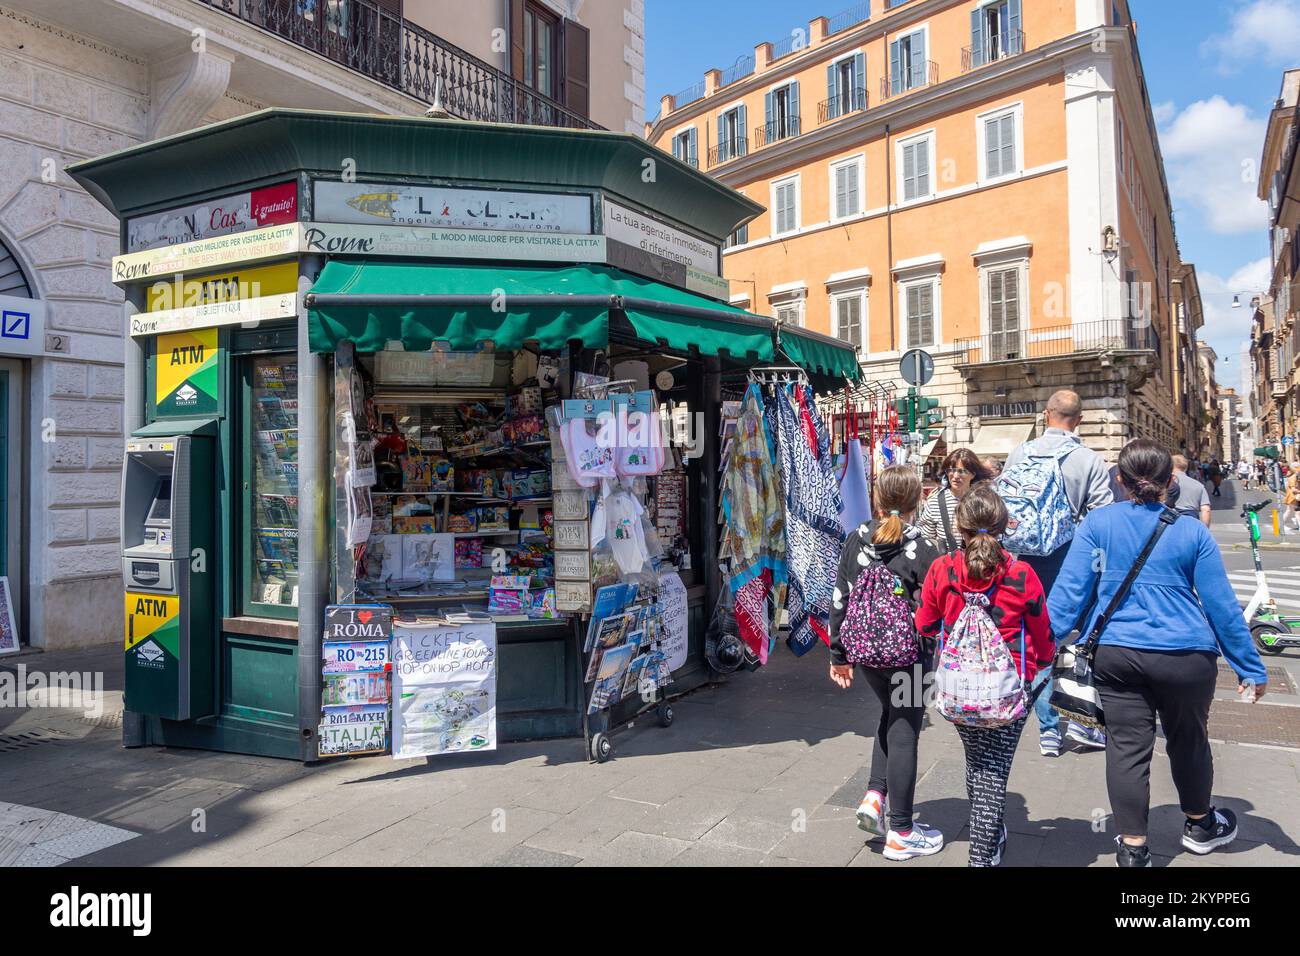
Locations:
column 1074, row 691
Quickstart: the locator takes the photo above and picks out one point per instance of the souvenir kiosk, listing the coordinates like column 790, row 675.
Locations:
column 350, row 343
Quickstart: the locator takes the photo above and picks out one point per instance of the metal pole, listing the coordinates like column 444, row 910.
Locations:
column 705, row 529
column 315, row 486
column 134, row 727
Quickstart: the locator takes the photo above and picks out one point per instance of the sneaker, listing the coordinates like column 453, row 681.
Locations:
column 1001, row 848
column 1049, row 743
column 1132, row 856
column 871, row 813
column 922, row 841
column 1088, row 736
column 1199, row 839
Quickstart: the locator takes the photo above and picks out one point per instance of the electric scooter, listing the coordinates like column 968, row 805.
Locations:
column 1273, row 631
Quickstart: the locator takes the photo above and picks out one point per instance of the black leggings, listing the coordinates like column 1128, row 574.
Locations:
column 893, row 754
column 1135, row 686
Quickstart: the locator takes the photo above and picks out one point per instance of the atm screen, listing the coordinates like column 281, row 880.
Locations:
column 160, row 512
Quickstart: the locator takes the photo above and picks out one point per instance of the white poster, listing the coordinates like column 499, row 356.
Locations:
column 360, row 512
column 444, row 689
column 451, row 207
column 428, row 557
column 658, row 238
column 349, row 239
column 672, row 605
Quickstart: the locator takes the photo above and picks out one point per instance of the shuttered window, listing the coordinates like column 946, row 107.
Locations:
column 848, row 199
column 786, row 206
column 916, row 169
column 848, row 320
column 920, row 315
column 1000, row 145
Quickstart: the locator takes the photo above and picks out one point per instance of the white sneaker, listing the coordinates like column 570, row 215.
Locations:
column 1088, row 736
column 871, row 814
column 922, row 841
column 1002, row 847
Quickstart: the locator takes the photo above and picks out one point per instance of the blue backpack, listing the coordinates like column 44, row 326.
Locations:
column 1041, row 520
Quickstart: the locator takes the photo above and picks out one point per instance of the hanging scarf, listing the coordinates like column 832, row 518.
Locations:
column 751, row 505
column 813, row 530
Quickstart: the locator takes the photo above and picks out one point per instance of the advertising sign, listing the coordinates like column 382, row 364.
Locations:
column 152, row 626
column 658, row 238
column 268, row 206
column 244, row 312
column 255, row 245
column 185, row 292
column 185, row 373
column 444, row 689
column 450, row 207
column 22, row 326
column 338, row 739
column 352, row 658
column 355, row 240
column 358, row 622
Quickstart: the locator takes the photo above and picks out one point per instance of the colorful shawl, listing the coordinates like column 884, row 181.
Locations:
column 814, row 534
column 751, row 504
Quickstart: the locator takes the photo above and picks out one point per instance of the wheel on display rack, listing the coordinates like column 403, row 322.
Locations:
column 602, row 748
column 665, row 714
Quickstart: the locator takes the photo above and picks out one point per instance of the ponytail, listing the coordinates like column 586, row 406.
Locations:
column 982, row 519
column 898, row 492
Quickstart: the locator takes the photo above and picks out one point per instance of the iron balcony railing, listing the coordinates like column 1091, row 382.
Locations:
column 995, row 48
column 1059, row 341
column 926, row 75
column 737, row 71
column 362, row 36
column 776, row 131
column 728, row 149
column 858, row 13
column 791, row 44
column 850, row 101
column 689, row 95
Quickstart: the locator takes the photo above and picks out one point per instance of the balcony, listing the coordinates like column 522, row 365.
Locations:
column 1059, row 342
column 852, row 101
column 923, row 74
column 366, row 38
column 995, row 48
column 728, row 149
column 776, row 131
column 737, row 71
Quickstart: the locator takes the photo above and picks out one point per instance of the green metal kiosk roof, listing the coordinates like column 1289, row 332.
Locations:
column 419, row 303
column 269, row 144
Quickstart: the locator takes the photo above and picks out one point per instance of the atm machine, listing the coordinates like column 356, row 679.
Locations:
column 169, row 501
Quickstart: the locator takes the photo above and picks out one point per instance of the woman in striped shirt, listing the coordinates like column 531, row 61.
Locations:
column 961, row 470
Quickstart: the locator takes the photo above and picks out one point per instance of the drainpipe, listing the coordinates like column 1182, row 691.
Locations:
column 134, row 727
column 889, row 240
column 315, row 491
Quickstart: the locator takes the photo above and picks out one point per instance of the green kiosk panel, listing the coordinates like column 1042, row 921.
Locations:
column 168, row 500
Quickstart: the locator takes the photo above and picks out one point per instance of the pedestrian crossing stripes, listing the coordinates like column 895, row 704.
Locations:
column 1283, row 586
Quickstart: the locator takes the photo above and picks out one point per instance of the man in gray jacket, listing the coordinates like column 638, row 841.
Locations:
column 1087, row 486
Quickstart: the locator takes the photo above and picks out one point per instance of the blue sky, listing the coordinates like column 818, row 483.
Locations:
column 1213, row 70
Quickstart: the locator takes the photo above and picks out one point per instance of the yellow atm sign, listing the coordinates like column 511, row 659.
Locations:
column 154, row 618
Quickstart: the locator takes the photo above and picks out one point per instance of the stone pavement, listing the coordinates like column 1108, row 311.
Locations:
column 765, row 769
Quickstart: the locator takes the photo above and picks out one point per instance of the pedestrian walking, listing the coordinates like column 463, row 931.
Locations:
column 984, row 573
column 1158, row 650
column 1191, row 497
column 1291, row 499
column 1084, row 487
column 877, row 589
column 1216, row 476
column 961, row 470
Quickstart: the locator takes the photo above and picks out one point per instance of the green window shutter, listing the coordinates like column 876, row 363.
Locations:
column 832, row 91
column 896, row 67
column 977, row 37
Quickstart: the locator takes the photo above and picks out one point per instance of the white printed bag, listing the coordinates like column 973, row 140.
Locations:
column 976, row 680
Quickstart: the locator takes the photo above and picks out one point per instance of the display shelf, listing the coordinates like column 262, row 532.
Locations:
column 437, row 494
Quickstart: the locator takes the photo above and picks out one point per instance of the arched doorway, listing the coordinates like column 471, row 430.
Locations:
column 15, row 286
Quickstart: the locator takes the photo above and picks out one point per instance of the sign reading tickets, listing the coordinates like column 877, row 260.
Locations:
column 450, row 207
column 238, row 297
column 186, row 373
column 254, row 209
column 444, row 689
column 658, row 238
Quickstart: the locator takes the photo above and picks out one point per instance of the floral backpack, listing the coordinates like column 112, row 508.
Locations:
column 877, row 630
column 976, row 680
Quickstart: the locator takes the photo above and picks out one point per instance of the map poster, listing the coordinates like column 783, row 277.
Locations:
column 444, row 689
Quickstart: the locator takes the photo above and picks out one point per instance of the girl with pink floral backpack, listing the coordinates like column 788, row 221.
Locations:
column 990, row 610
column 882, row 566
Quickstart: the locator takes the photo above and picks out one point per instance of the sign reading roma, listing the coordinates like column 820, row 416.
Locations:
column 268, row 206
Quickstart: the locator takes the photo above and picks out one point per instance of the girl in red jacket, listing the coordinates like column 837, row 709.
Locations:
column 1015, row 598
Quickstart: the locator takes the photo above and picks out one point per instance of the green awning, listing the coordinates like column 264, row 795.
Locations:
column 1268, row 451
column 821, row 354
column 419, row 303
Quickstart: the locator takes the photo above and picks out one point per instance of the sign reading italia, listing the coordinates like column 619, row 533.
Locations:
column 268, row 206
column 450, row 207
column 185, row 372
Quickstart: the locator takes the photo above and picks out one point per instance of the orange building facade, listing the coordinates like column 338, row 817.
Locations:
column 978, row 178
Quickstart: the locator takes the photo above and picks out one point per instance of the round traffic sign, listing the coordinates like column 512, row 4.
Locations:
column 916, row 367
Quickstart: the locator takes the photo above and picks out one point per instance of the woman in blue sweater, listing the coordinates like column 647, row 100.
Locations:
column 1159, row 652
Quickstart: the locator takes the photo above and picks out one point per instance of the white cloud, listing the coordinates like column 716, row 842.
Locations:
column 1267, row 30
column 1211, row 152
column 1226, row 328
column 1164, row 112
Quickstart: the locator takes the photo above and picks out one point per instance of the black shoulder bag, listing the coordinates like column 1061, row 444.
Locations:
column 947, row 523
column 1074, row 693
